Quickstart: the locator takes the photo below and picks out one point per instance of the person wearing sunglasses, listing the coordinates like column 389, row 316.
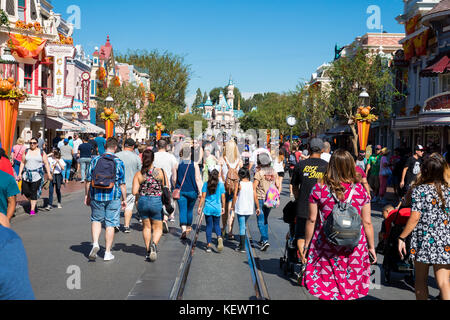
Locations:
column 31, row 173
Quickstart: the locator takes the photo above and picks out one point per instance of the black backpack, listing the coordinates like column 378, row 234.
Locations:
column 104, row 173
column 343, row 225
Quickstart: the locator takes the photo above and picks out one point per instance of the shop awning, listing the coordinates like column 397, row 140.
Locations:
column 61, row 124
column 442, row 66
column 87, row 127
column 341, row 130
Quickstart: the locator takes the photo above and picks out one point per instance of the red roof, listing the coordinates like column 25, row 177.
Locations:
column 442, row 66
column 105, row 51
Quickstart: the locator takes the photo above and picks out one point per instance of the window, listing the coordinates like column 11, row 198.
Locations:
column 445, row 83
column 28, row 77
column 23, row 10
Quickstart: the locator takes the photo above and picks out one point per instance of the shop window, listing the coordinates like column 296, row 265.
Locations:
column 445, row 83
column 22, row 10
column 10, row 7
column 28, row 77
column 33, row 11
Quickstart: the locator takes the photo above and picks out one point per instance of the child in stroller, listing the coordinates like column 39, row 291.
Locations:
column 394, row 224
column 291, row 256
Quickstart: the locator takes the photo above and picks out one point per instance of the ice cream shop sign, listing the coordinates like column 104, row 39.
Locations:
column 59, row 100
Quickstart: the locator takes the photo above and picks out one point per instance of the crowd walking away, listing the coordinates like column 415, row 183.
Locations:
column 236, row 188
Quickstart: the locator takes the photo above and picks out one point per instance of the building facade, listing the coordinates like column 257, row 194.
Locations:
column 423, row 116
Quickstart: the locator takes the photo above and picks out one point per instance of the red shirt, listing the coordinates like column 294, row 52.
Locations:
column 361, row 171
column 6, row 166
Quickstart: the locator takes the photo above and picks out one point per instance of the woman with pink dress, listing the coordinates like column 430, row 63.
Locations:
column 337, row 272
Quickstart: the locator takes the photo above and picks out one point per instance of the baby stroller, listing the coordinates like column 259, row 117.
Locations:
column 394, row 224
column 290, row 257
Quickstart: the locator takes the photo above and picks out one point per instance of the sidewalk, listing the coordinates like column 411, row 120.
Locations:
column 23, row 205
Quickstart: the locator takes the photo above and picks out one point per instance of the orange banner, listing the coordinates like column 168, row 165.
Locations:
column 109, row 128
column 27, row 46
column 408, row 48
column 421, row 43
column 411, row 24
column 8, row 119
column 363, row 134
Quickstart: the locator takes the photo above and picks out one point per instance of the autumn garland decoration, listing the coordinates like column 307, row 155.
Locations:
column 109, row 114
column 101, row 73
column 9, row 90
column 364, row 115
column 30, row 26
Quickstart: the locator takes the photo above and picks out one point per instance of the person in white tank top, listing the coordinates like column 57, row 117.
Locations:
column 243, row 205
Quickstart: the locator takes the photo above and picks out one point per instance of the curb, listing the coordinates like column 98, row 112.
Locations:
column 20, row 210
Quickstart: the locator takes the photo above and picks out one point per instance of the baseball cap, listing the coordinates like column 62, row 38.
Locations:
column 419, row 148
column 66, row 140
column 316, row 144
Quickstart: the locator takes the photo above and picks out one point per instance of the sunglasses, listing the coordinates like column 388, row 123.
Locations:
column 33, row 143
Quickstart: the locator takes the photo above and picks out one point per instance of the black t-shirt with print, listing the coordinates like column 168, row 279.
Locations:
column 413, row 166
column 305, row 177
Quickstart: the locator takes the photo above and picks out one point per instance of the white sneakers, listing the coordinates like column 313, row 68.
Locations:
column 93, row 254
column 108, row 256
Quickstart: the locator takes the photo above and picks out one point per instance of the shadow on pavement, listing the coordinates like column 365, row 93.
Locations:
column 137, row 250
column 84, row 248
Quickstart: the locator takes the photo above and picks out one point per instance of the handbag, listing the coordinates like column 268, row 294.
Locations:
column 176, row 192
column 166, row 197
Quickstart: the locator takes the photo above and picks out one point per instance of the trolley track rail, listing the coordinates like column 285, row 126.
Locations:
column 259, row 285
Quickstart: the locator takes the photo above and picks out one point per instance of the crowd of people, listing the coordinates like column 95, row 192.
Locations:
column 231, row 182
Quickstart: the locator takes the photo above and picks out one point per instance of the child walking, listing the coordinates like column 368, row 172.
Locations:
column 57, row 167
column 243, row 204
column 213, row 199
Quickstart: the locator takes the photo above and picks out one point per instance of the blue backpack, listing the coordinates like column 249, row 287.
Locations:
column 104, row 174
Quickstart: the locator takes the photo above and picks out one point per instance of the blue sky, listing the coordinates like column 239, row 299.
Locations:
column 265, row 45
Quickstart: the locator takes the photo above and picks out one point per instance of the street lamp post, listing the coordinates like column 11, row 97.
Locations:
column 364, row 119
column 109, row 124
column 291, row 121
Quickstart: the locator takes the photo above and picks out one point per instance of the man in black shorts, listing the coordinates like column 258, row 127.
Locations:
column 305, row 177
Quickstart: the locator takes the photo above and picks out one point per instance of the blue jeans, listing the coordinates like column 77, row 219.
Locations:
column 66, row 173
column 106, row 211
column 212, row 221
column 242, row 224
column 263, row 223
column 55, row 184
column 84, row 165
column 186, row 205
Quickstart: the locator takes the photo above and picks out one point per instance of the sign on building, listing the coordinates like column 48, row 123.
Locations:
column 59, row 100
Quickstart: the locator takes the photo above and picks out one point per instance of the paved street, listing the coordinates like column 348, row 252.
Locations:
column 59, row 239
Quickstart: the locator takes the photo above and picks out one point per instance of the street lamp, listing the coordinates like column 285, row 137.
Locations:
column 364, row 97
column 291, row 121
column 109, row 101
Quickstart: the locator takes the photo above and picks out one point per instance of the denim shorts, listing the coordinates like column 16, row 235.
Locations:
column 106, row 211
column 150, row 208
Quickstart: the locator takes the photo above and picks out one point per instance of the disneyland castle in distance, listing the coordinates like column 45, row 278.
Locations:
column 222, row 115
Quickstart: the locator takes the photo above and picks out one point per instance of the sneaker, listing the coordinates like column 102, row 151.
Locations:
column 59, row 206
column 32, row 213
column 239, row 249
column 93, row 253
column 219, row 244
column 153, row 255
column 48, row 208
column 265, row 245
column 165, row 227
column 172, row 219
column 126, row 229
column 147, row 256
column 208, row 248
column 108, row 256
column 116, row 229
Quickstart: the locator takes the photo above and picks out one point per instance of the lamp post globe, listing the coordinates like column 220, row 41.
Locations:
column 291, row 121
column 364, row 97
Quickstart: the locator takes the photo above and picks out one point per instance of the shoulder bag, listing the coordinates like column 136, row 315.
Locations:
column 176, row 192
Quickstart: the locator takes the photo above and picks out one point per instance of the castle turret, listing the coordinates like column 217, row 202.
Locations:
column 230, row 94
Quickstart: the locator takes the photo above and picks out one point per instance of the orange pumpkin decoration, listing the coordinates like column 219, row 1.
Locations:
column 11, row 80
column 446, row 222
column 30, row 26
column 447, row 248
column 413, row 251
column 108, row 111
column 5, row 86
column 68, row 40
column 37, row 26
column 365, row 111
column 20, row 24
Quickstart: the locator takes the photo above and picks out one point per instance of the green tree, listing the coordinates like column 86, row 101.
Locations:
column 349, row 75
column 169, row 78
column 129, row 101
column 187, row 122
column 205, row 97
column 198, row 99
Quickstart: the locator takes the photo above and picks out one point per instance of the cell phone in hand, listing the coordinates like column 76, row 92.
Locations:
column 371, row 258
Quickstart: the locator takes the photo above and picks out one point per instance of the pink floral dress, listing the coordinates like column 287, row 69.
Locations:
column 333, row 272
